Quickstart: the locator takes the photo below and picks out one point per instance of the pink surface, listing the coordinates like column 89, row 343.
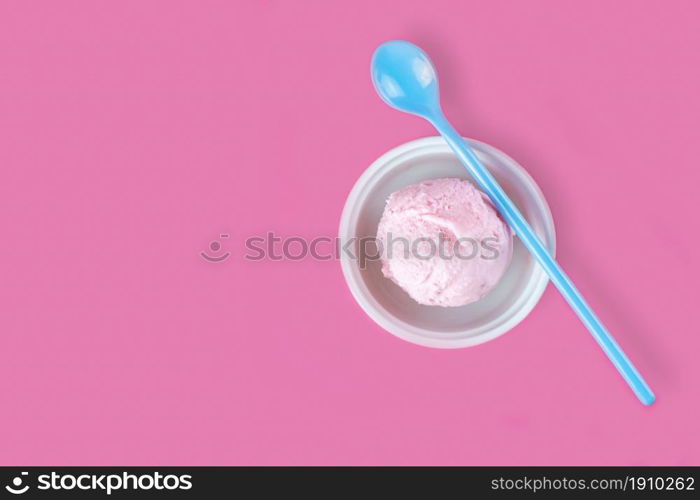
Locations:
column 133, row 133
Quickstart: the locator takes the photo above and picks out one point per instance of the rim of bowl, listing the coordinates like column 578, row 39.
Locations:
column 510, row 318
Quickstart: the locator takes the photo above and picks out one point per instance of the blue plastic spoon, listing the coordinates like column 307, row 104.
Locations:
column 405, row 78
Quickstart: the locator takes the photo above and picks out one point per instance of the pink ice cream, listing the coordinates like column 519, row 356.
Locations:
column 443, row 242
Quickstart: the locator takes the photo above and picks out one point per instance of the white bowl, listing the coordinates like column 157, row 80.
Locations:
column 387, row 304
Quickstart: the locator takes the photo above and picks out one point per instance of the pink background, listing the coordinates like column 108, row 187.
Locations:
column 133, row 133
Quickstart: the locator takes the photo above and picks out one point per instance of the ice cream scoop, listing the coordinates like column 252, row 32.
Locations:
column 443, row 242
column 405, row 78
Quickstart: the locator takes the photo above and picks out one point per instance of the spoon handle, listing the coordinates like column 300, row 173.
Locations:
column 528, row 237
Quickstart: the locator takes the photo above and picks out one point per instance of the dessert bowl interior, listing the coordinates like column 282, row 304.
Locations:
column 504, row 307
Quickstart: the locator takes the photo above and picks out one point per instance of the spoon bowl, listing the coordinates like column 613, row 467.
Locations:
column 404, row 77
